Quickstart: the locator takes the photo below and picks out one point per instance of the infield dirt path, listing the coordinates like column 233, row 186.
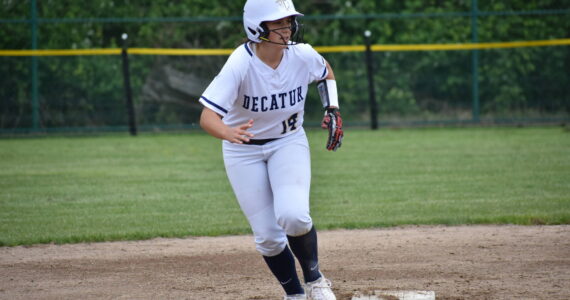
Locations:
column 467, row 262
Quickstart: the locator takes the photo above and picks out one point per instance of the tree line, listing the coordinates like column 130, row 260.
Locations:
column 87, row 91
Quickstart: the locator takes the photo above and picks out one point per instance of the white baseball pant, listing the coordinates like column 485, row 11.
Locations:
column 271, row 183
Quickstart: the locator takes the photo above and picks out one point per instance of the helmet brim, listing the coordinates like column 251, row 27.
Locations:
column 280, row 15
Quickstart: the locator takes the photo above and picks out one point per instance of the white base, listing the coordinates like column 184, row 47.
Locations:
column 400, row 295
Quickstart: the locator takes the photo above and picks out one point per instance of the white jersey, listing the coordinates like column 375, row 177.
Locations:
column 246, row 88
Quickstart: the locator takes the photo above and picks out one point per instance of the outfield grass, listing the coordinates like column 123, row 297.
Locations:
column 115, row 187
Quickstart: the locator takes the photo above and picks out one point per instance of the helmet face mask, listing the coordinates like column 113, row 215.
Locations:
column 295, row 37
column 257, row 12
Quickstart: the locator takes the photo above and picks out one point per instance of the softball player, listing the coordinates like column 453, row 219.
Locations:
column 256, row 106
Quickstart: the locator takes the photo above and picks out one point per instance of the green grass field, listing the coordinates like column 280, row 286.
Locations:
column 115, row 187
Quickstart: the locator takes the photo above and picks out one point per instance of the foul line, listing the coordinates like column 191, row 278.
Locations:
column 322, row 49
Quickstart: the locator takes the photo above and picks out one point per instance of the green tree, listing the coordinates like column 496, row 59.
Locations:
column 87, row 91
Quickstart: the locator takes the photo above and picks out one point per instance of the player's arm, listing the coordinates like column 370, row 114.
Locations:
column 332, row 120
column 212, row 123
column 330, row 75
column 327, row 89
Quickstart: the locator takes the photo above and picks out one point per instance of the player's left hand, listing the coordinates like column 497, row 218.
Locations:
column 333, row 122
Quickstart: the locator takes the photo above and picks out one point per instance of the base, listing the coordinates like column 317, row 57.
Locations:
column 397, row 295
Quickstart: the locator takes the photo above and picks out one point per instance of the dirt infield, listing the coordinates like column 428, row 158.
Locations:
column 467, row 262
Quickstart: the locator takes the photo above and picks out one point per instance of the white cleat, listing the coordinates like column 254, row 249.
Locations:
column 320, row 289
column 296, row 297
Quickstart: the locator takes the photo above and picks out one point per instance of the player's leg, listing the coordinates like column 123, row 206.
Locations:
column 306, row 250
column 247, row 172
column 290, row 176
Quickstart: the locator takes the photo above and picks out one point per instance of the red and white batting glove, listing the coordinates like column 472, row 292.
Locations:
column 333, row 122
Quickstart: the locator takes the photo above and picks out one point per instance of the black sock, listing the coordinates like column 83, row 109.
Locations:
column 305, row 249
column 283, row 267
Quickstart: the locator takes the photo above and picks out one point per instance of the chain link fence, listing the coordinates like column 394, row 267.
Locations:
column 446, row 87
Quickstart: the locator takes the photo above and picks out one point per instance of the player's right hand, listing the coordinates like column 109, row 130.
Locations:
column 239, row 134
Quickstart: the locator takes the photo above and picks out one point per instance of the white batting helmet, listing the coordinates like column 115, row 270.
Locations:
column 255, row 12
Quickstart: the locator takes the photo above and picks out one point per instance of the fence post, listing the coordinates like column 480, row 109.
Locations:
column 371, row 92
column 34, row 66
column 475, row 62
column 127, row 84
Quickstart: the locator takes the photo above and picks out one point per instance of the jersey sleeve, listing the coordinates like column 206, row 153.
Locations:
column 222, row 92
column 314, row 61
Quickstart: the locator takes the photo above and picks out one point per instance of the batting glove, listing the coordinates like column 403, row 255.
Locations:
column 333, row 122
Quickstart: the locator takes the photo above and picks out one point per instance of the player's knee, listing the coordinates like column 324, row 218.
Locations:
column 295, row 223
column 269, row 246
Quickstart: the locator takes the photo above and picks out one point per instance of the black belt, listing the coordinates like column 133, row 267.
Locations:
column 259, row 142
